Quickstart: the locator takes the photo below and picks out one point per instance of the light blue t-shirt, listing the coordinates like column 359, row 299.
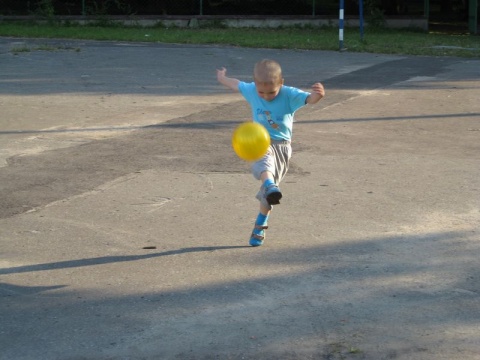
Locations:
column 275, row 115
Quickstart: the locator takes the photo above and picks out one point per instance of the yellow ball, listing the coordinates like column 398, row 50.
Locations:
column 250, row 141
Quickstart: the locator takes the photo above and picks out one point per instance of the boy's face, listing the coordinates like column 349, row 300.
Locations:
column 268, row 91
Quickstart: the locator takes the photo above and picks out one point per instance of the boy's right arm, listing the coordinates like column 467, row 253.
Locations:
column 231, row 83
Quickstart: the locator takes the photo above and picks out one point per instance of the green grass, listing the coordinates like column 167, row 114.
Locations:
column 384, row 41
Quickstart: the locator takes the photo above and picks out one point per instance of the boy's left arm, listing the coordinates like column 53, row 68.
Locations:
column 318, row 92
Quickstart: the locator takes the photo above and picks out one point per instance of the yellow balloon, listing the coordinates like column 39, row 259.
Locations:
column 250, row 141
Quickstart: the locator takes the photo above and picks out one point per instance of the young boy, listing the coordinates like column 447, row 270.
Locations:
column 273, row 105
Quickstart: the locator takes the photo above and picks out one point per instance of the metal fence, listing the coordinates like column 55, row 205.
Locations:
column 200, row 7
column 161, row 7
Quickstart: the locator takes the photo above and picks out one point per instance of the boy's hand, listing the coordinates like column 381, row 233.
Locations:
column 318, row 92
column 221, row 73
column 318, row 89
column 224, row 80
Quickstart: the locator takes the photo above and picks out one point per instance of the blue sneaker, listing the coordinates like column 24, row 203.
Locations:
column 273, row 194
column 258, row 235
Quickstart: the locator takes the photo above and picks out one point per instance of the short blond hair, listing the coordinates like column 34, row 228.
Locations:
column 268, row 71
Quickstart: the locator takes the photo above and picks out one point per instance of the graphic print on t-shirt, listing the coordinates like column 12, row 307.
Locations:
column 267, row 117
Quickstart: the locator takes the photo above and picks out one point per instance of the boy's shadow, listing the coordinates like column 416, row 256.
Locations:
column 110, row 259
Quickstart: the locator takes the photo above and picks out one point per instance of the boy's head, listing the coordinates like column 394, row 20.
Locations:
column 267, row 75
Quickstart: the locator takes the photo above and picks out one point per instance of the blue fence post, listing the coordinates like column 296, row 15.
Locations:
column 340, row 24
column 360, row 13
column 201, row 7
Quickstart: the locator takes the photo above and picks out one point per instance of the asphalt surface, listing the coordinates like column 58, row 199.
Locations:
column 125, row 215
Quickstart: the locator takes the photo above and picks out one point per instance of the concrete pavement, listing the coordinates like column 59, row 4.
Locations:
column 125, row 215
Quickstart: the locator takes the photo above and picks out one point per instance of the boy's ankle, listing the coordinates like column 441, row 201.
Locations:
column 268, row 182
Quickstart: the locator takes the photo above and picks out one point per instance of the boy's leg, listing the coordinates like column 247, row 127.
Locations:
column 270, row 170
column 271, row 191
column 261, row 224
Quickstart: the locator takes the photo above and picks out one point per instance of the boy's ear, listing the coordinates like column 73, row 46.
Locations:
column 283, row 81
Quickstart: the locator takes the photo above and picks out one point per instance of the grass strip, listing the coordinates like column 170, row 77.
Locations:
column 382, row 41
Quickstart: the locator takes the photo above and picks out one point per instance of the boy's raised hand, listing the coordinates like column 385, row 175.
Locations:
column 319, row 89
column 318, row 92
column 228, row 82
column 221, row 73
